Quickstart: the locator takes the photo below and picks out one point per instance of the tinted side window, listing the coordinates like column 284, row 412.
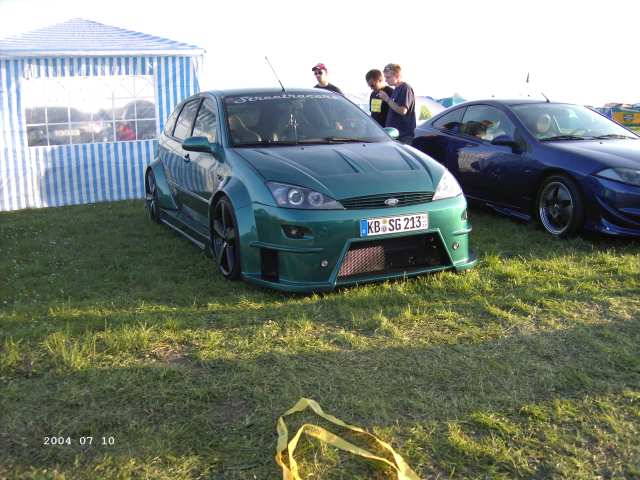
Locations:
column 486, row 123
column 185, row 120
column 450, row 121
column 207, row 122
column 171, row 121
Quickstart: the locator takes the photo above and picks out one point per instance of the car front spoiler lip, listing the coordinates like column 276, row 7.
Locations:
column 310, row 287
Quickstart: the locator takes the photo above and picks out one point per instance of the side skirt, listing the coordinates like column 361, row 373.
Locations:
column 186, row 227
column 509, row 212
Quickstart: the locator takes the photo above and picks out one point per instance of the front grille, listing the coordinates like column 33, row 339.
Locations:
column 393, row 255
column 377, row 201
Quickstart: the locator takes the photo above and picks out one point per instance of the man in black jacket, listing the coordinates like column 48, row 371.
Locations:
column 320, row 71
column 377, row 106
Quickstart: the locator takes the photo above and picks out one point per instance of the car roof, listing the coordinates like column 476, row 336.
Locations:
column 507, row 102
column 266, row 91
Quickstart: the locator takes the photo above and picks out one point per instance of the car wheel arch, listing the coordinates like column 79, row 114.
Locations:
column 237, row 270
column 212, row 203
column 165, row 197
column 544, row 175
column 231, row 195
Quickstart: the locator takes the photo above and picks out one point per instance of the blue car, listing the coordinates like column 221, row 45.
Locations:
column 564, row 165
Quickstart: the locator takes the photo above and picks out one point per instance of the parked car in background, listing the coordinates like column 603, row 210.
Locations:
column 566, row 166
column 302, row 191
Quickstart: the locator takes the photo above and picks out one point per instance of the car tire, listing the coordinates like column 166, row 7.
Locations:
column 152, row 204
column 559, row 206
column 225, row 244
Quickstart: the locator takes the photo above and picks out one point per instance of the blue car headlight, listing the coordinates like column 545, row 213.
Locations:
column 292, row 196
column 624, row 175
column 447, row 187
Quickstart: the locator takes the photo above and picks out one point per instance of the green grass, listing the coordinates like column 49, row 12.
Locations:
column 528, row 366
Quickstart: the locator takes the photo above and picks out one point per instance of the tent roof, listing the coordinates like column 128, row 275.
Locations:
column 78, row 37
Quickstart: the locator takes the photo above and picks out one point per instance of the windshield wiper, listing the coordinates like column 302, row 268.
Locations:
column 565, row 137
column 266, row 143
column 614, row 135
column 346, row 140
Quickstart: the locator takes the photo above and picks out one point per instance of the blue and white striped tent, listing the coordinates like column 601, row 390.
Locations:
column 81, row 106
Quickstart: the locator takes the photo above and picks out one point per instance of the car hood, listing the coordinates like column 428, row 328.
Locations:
column 604, row 153
column 347, row 170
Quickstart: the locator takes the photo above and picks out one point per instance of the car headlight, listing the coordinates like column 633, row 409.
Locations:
column 447, row 187
column 624, row 175
column 292, row 196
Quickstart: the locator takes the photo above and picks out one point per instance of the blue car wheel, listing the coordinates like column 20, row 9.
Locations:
column 559, row 207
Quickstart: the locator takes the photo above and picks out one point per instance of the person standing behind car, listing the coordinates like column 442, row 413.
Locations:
column 320, row 71
column 377, row 107
column 402, row 104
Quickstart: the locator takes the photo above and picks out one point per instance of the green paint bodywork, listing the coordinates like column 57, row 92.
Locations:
column 337, row 170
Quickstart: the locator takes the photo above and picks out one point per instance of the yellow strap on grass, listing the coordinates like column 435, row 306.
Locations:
column 291, row 472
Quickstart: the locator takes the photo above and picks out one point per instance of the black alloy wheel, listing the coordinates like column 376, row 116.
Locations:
column 559, row 206
column 152, row 204
column 224, row 239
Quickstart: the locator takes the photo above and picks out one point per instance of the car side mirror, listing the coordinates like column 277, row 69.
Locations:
column 392, row 132
column 200, row 144
column 507, row 141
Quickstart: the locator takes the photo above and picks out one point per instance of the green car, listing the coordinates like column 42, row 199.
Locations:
column 300, row 190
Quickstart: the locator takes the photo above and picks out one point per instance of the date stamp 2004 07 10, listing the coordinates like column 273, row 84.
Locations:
column 62, row 440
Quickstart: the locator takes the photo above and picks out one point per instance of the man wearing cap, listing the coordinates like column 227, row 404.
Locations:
column 402, row 104
column 320, row 71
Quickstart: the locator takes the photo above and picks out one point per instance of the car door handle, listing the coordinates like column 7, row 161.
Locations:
column 187, row 159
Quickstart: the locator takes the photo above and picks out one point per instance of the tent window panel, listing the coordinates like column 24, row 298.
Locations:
column 36, row 115
column 58, row 114
column 125, row 131
column 104, row 132
column 75, row 110
column 37, row 135
column 78, row 115
column 81, row 132
column 59, row 134
column 146, row 129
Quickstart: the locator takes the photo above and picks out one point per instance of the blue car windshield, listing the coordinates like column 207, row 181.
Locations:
column 559, row 121
column 297, row 118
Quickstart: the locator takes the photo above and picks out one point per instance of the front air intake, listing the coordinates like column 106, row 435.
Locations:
column 269, row 264
column 394, row 255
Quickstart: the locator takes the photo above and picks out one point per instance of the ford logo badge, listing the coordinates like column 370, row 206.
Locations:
column 391, row 202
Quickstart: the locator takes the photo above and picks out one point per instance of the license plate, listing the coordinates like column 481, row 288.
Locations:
column 370, row 227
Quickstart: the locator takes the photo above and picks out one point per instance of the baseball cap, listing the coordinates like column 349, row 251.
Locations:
column 319, row 66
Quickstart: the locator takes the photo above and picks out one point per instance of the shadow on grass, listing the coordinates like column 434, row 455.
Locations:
column 223, row 412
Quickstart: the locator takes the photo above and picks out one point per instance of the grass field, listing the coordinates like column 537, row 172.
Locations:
column 528, row 366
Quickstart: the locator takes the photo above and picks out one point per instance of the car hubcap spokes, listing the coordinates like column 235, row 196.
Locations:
column 224, row 238
column 556, row 208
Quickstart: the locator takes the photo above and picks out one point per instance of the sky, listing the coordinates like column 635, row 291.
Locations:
column 574, row 51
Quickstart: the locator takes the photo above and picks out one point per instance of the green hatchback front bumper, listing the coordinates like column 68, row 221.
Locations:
column 332, row 253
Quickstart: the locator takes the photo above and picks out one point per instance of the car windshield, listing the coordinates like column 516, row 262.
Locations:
column 297, row 118
column 558, row 121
